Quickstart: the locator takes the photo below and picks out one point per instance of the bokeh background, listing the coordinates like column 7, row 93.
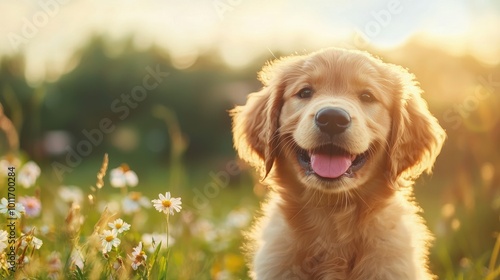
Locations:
column 65, row 66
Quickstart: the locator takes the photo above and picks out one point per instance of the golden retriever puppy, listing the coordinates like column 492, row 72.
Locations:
column 339, row 136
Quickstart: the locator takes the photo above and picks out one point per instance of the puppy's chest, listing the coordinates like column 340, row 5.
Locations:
column 333, row 248
column 322, row 259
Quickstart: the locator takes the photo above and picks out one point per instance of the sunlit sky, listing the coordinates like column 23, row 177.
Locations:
column 49, row 31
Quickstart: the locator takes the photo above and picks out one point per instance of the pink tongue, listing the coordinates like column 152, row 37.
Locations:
column 330, row 166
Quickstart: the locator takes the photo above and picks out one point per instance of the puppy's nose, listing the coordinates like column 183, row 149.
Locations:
column 332, row 120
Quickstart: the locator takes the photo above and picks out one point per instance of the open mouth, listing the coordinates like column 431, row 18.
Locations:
column 331, row 162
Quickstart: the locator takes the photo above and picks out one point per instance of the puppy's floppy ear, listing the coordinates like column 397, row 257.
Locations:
column 256, row 124
column 255, row 129
column 416, row 138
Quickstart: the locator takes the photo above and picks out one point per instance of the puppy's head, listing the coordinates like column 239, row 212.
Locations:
column 337, row 119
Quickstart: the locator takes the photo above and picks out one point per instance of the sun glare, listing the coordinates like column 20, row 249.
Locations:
column 241, row 31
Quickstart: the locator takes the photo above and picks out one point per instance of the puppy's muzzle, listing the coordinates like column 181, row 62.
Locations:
column 332, row 120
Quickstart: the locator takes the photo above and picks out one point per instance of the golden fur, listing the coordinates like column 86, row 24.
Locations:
column 362, row 226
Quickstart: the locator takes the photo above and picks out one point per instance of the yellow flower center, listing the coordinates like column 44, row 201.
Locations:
column 117, row 226
column 135, row 196
column 124, row 167
column 10, row 158
column 109, row 238
column 166, row 203
column 140, row 257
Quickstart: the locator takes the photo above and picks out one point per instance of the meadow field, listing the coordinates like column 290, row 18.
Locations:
column 204, row 238
column 116, row 152
column 62, row 227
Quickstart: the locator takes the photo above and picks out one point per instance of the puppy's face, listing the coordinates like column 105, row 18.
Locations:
column 334, row 120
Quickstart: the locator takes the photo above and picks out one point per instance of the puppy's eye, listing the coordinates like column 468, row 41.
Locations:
column 305, row 93
column 367, row 97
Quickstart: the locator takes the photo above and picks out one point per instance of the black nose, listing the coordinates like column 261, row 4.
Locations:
column 332, row 120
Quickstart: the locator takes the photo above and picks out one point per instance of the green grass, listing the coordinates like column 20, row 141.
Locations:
column 205, row 242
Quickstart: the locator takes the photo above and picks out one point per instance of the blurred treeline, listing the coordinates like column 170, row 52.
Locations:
column 461, row 200
column 80, row 99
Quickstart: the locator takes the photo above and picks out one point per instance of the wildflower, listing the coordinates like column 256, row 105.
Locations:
column 11, row 265
column 54, row 265
column 30, row 240
column 122, row 176
column 26, row 229
column 187, row 217
column 217, row 237
column 223, row 275
column 3, row 240
column 167, row 204
column 138, row 257
column 8, row 161
column 238, row 219
column 31, row 205
column 118, row 263
column 28, row 174
column 109, row 239
column 119, row 225
column 150, row 241
column 71, row 194
column 233, row 262
column 45, row 229
column 204, row 228
column 76, row 259
column 17, row 211
column 133, row 201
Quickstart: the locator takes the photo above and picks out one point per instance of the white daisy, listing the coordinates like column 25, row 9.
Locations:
column 138, row 257
column 8, row 161
column 151, row 241
column 167, row 204
column 238, row 219
column 118, row 263
column 109, row 239
column 119, row 225
column 71, row 194
column 30, row 240
column 122, row 176
column 3, row 240
column 134, row 201
column 76, row 259
column 28, row 174
column 16, row 212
